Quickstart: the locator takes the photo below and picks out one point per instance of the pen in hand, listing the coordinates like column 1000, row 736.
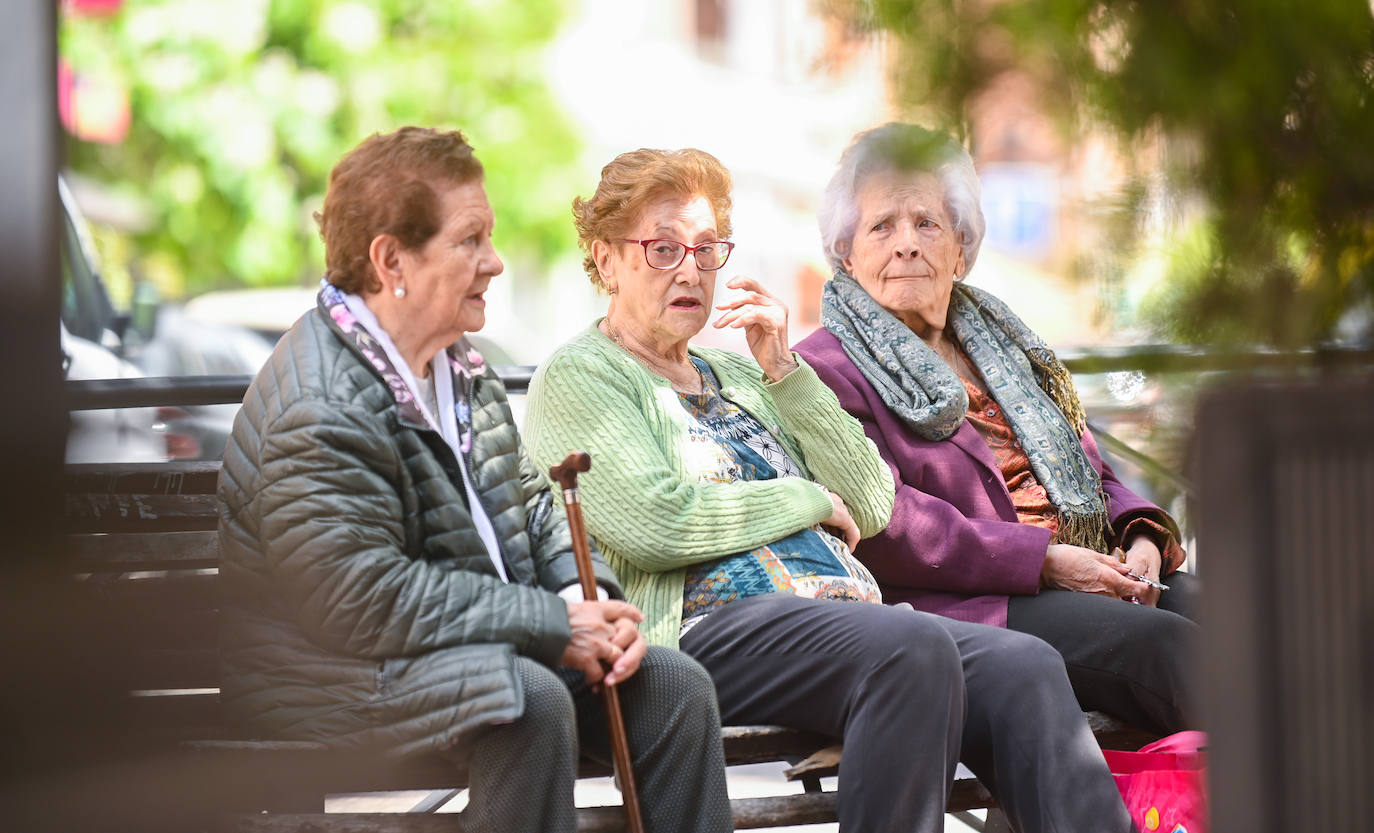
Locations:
column 1134, row 576
column 1155, row 584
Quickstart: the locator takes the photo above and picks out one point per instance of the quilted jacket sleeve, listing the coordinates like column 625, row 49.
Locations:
column 334, row 540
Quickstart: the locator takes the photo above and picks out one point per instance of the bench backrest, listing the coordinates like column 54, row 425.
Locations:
column 145, row 556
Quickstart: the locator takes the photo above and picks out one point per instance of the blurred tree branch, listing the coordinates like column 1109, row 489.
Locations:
column 240, row 110
column 1264, row 110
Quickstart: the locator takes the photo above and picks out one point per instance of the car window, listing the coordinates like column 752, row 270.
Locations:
column 86, row 310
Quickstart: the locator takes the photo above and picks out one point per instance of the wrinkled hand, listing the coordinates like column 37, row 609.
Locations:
column 841, row 523
column 764, row 319
column 606, row 645
column 1068, row 567
column 1144, row 559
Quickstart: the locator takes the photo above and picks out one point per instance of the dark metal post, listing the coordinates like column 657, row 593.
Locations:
column 32, row 420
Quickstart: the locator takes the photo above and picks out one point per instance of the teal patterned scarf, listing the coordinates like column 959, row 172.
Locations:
column 1022, row 374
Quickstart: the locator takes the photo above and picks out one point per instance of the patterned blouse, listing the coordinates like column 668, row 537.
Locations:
column 728, row 444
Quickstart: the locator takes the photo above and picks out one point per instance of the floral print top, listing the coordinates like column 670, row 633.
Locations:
column 727, row 444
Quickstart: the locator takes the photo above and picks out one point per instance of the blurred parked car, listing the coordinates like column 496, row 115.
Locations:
column 125, row 435
column 92, row 346
column 267, row 311
column 183, row 346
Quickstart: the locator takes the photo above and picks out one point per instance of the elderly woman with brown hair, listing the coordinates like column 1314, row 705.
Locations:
column 396, row 580
column 1005, row 513
column 728, row 493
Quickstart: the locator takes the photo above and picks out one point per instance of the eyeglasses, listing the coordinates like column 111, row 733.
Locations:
column 667, row 254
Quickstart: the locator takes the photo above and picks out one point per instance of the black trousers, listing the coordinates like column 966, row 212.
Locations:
column 911, row 694
column 1131, row 661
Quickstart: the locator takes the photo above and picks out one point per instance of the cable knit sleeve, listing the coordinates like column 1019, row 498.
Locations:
column 636, row 499
column 836, row 450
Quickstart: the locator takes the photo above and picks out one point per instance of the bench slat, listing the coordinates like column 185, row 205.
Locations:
column 155, row 630
column 1112, row 733
column 173, row 478
column 140, row 512
column 165, row 596
column 181, row 716
column 120, row 552
column 756, row 744
column 175, row 668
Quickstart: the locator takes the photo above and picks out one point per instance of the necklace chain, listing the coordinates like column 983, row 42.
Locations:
column 615, row 337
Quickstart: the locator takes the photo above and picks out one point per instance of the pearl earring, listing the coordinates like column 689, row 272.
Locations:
column 400, row 292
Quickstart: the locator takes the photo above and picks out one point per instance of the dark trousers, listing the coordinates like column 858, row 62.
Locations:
column 911, row 694
column 522, row 772
column 1131, row 661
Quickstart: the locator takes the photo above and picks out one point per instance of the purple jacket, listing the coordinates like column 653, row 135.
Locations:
column 954, row 545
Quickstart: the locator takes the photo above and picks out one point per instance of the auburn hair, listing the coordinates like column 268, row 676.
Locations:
column 633, row 180
column 386, row 185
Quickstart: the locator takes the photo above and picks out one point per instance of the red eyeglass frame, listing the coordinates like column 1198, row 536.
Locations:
column 686, row 250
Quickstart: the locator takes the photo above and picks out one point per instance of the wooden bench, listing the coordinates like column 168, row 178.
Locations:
column 145, row 560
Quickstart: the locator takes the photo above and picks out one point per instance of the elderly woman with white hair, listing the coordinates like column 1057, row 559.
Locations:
column 1006, row 513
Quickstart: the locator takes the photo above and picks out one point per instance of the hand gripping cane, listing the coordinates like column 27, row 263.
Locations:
column 565, row 475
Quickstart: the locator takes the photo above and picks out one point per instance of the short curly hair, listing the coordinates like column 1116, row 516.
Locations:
column 386, row 185
column 633, row 180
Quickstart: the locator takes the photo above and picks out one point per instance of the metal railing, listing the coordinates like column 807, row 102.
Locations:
column 181, row 391
column 153, row 391
column 185, row 391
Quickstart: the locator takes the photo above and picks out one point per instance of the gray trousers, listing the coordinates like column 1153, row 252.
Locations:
column 522, row 773
column 911, row 694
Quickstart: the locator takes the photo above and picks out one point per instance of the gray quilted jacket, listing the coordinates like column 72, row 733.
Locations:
column 361, row 607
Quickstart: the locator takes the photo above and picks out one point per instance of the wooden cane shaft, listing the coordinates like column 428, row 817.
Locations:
column 620, row 756
column 566, row 476
column 582, row 556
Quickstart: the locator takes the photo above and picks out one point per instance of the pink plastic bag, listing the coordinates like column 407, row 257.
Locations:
column 1164, row 784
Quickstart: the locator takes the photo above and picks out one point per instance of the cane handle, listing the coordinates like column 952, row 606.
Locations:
column 565, row 473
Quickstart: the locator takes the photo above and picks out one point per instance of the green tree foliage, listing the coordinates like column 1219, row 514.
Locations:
column 1265, row 109
column 240, row 109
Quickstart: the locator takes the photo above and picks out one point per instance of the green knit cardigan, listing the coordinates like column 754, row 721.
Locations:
column 648, row 518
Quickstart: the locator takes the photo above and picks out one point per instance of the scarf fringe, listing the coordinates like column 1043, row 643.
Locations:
column 1084, row 529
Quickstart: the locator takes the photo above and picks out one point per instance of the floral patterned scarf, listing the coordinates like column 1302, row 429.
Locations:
column 1022, row 373
column 464, row 362
column 452, row 396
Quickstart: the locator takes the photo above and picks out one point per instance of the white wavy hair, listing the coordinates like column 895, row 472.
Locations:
column 904, row 148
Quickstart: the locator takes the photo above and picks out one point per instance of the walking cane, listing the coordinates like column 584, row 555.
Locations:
column 566, row 476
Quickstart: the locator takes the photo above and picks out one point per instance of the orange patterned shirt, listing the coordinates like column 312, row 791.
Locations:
column 1028, row 497
column 1031, row 500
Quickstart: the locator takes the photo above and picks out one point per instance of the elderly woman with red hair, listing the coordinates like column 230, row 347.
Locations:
column 396, row 580
column 728, row 493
